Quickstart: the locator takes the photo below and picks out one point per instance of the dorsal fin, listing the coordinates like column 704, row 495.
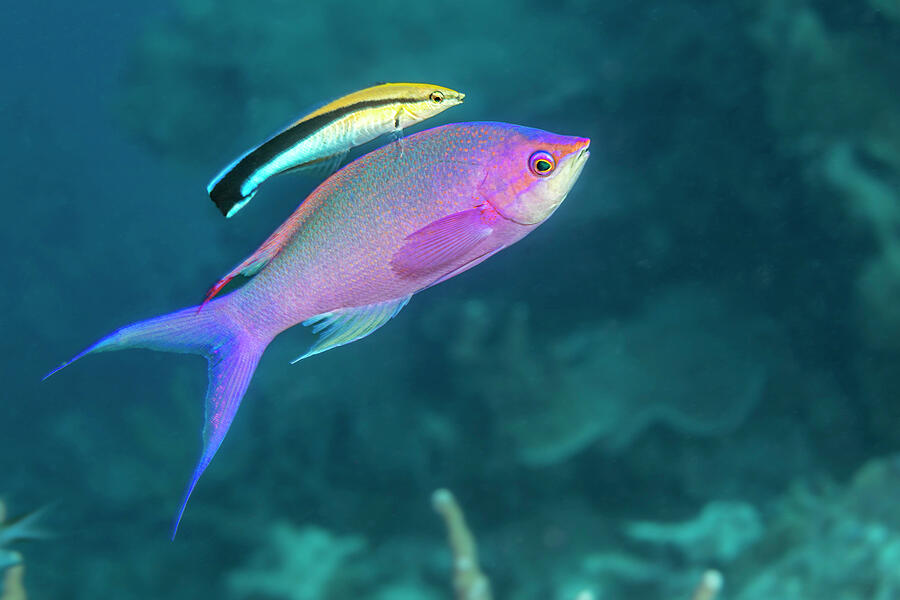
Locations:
column 254, row 263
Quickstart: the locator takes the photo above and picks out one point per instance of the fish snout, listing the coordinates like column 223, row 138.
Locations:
column 577, row 150
column 582, row 145
column 574, row 147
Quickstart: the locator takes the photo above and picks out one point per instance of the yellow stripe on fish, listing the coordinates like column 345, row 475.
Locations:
column 322, row 138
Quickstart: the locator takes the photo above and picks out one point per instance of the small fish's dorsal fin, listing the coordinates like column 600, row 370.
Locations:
column 444, row 241
column 254, row 263
column 346, row 325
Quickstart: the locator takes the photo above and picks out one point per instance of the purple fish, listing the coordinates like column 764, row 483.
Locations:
column 394, row 222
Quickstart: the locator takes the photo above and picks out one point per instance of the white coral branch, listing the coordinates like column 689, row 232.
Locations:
column 709, row 587
column 13, row 586
column 468, row 580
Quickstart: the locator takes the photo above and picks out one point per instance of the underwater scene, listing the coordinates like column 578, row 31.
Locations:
column 595, row 300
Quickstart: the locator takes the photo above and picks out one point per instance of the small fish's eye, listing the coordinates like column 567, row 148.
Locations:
column 437, row 97
column 541, row 163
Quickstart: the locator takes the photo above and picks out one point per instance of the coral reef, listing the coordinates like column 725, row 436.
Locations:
column 826, row 542
column 313, row 563
column 709, row 361
column 471, row 584
column 468, row 580
column 298, row 564
column 819, row 540
column 12, row 587
column 710, row 585
column 833, row 99
column 12, row 569
column 711, row 320
column 718, row 535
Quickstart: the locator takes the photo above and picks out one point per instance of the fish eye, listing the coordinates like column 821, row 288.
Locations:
column 541, row 163
column 437, row 96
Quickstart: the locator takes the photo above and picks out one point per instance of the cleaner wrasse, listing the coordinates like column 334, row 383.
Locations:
column 321, row 139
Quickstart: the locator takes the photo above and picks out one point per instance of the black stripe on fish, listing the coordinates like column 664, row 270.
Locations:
column 226, row 192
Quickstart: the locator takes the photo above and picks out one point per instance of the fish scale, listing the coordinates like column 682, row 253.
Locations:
column 364, row 196
column 394, row 222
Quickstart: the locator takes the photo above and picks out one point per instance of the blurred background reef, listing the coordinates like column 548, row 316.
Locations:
column 693, row 365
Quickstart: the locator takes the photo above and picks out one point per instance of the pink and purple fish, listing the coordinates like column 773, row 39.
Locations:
column 398, row 220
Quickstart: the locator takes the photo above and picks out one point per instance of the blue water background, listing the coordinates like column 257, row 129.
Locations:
column 698, row 229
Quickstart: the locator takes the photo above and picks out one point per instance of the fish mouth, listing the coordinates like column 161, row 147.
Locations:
column 575, row 172
column 585, row 143
column 582, row 157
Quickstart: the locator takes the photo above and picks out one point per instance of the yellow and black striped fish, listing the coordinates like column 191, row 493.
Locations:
column 322, row 138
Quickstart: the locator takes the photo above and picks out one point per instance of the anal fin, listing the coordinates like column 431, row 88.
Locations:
column 346, row 325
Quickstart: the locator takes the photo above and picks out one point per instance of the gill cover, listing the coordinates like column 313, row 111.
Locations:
column 531, row 179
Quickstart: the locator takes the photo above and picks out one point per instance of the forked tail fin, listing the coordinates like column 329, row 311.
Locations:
column 231, row 351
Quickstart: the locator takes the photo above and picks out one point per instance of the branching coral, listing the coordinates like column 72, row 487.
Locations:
column 306, row 563
column 468, row 580
column 13, row 587
column 471, row 584
column 298, row 564
column 709, row 587
column 827, row 542
column 875, row 199
column 718, row 535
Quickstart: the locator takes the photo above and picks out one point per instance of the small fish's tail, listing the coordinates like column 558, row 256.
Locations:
column 230, row 349
column 226, row 190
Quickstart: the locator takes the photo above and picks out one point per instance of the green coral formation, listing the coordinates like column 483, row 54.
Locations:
column 12, row 564
column 830, row 543
column 314, row 563
column 718, row 535
column 299, row 564
column 833, row 98
column 611, row 382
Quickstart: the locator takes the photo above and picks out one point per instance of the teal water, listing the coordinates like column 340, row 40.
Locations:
column 693, row 365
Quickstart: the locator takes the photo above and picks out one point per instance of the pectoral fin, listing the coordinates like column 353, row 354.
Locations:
column 443, row 242
column 347, row 325
column 323, row 166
